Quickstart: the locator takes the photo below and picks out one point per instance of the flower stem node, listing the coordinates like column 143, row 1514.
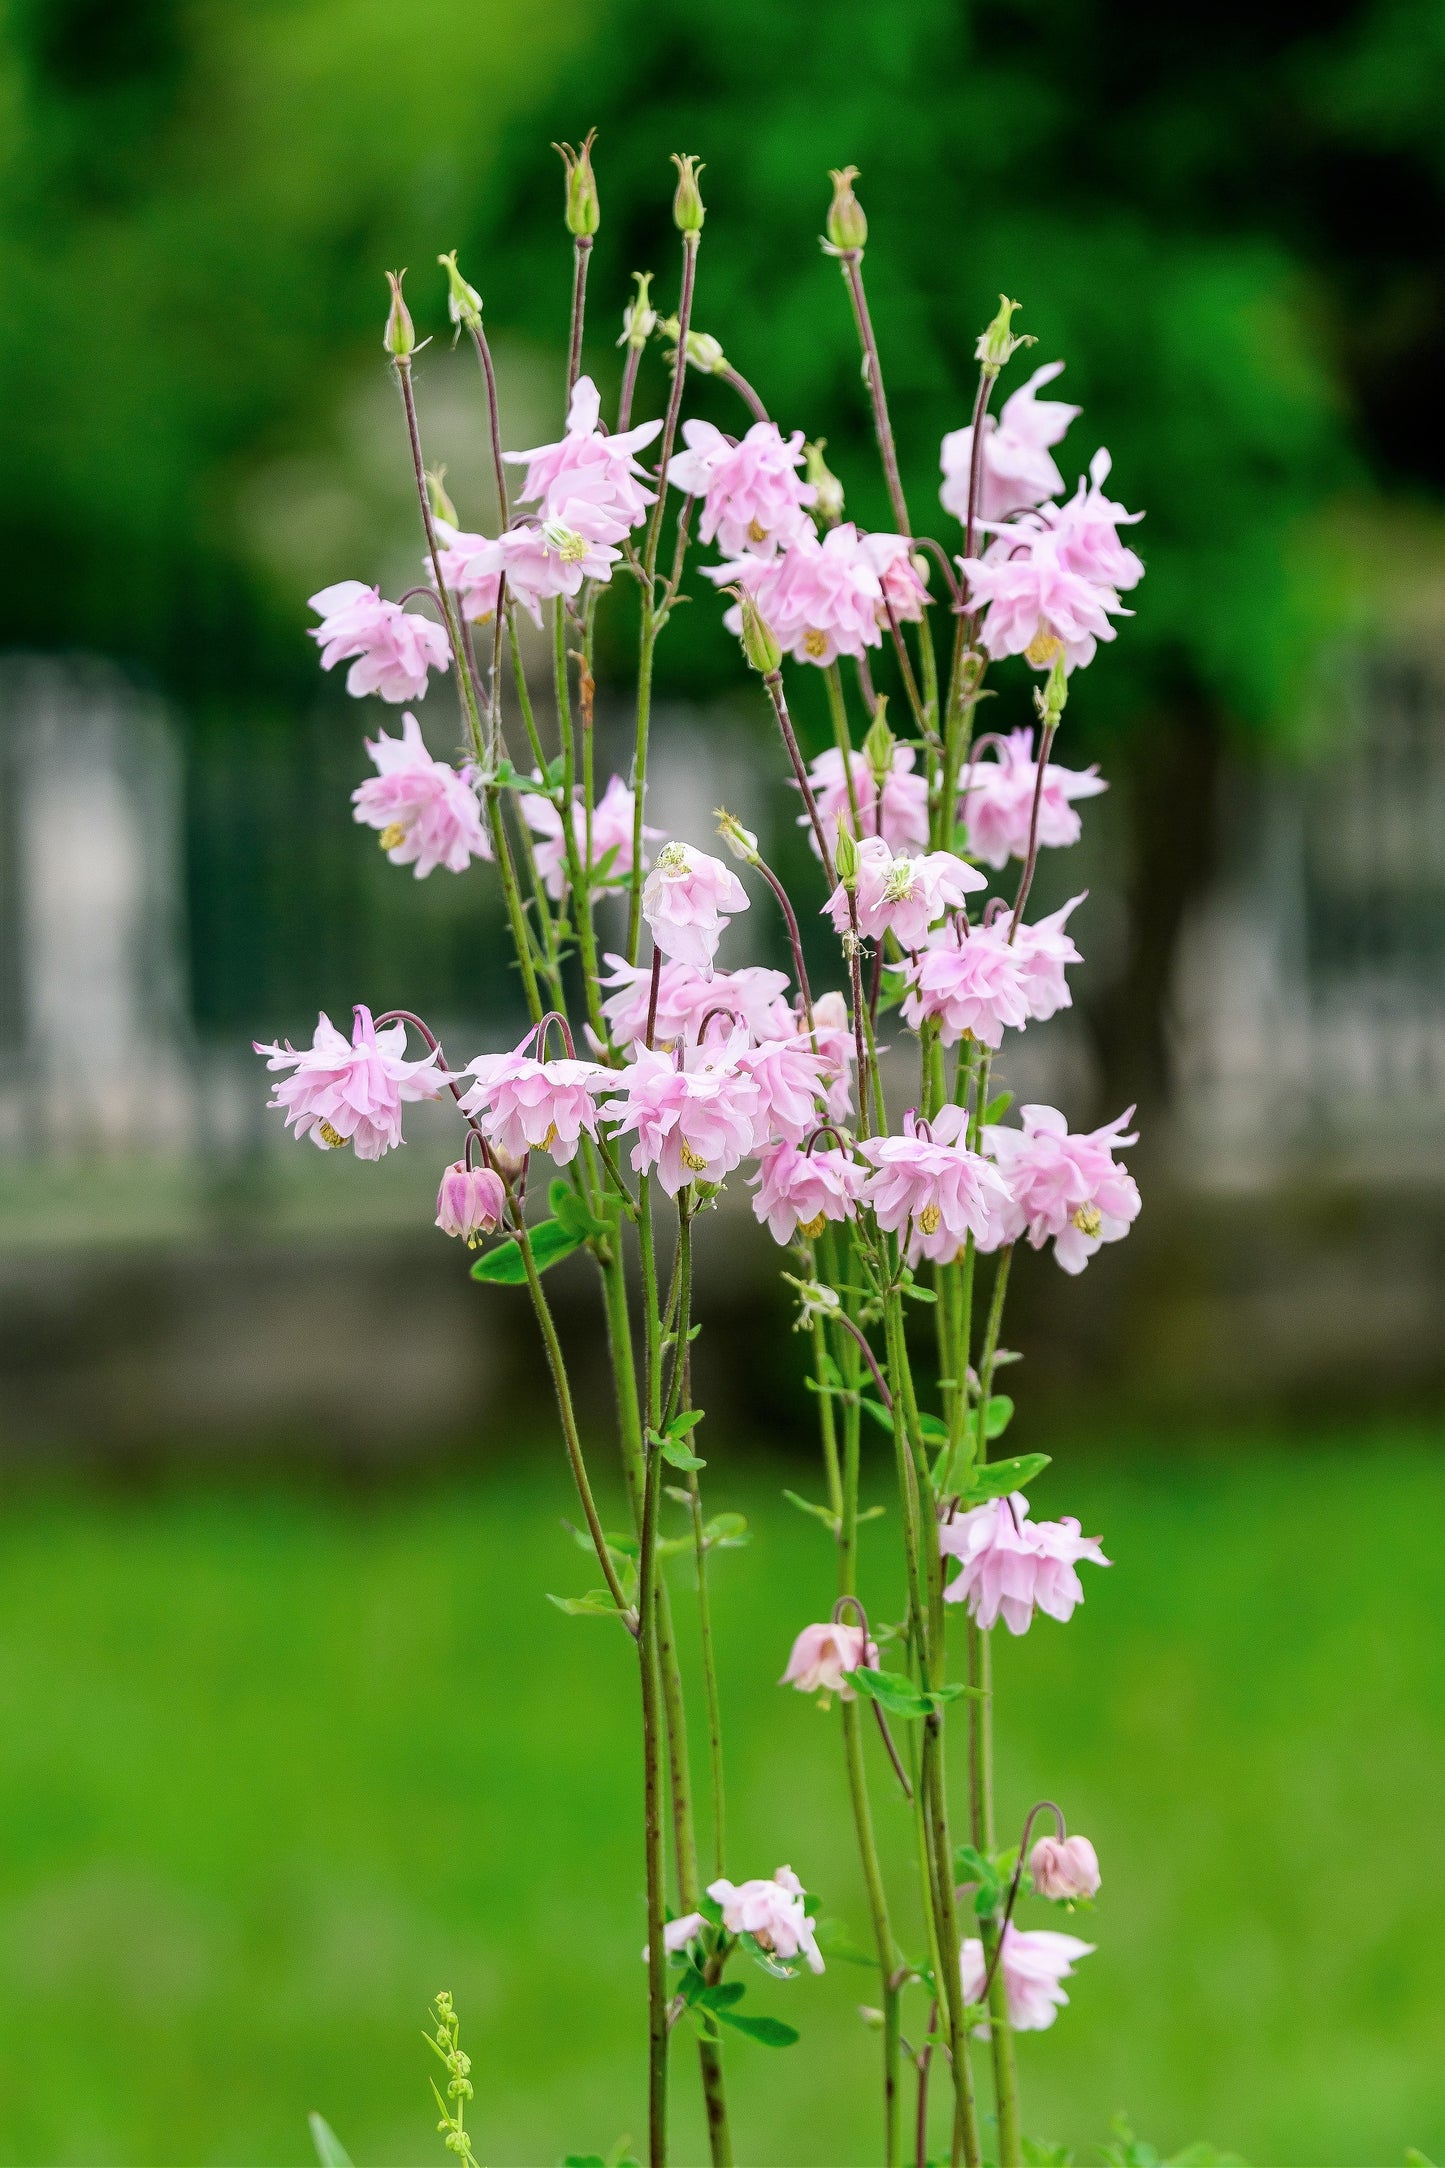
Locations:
column 400, row 336
column 828, row 502
column 584, row 212
column 639, row 318
column 999, row 343
column 847, row 225
column 740, row 841
column 687, row 206
column 464, row 303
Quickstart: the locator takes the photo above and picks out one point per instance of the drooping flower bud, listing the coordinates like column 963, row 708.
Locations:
column 1064, row 1868
column 845, row 856
column 441, row 503
column 740, row 841
column 879, row 744
column 847, row 226
column 400, row 336
column 999, row 342
column 584, row 212
column 828, row 504
column 470, row 1202
column 464, row 303
column 761, row 651
column 687, row 209
column 704, row 352
column 639, row 318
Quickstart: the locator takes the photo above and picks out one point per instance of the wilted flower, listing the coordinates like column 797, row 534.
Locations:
column 824, row 1655
column 903, row 896
column 427, row 813
column 352, row 1094
column 1062, row 1188
column 1034, row 1961
column 1012, row 1566
column 1016, row 471
column 523, row 1105
column 470, row 1202
column 687, row 900
column 773, row 1913
column 997, row 801
column 1064, row 1868
column 799, row 1192
column 394, row 648
column 753, row 497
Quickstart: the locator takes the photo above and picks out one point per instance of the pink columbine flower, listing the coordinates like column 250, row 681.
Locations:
column 677, row 1934
column 1035, row 1960
column 789, row 1074
column 394, row 648
column 753, row 497
column 774, row 1913
column 1034, row 602
column 588, row 467
column 611, row 835
column 1016, row 469
column 1064, row 1189
column 997, row 801
column 824, row 1655
column 824, row 598
column 470, row 1202
column 1012, row 1566
column 685, row 995
column 471, row 570
column 799, row 1192
column 550, row 558
column 902, row 896
column 1088, row 524
column 934, row 1186
column 427, row 812
column 522, row 1105
column 832, row 1035
column 973, row 985
column 687, row 900
column 694, row 1122
column 1064, row 1869
column 902, row 803
column 1044, row 951
column 352, row 1094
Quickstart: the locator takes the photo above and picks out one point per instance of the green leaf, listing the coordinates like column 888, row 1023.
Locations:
column 597, row 1603
column 891, row 1690
column 998, row 1415
column 685, row 1420
column 769, row 2032
column 727, row 1532
column 969, row 1865
column 674, row 1452
column 824, row 1514
column 329, row 2150
column 765, row 1960
column 721, row 1997
column 1038, row 2154
column 933, row 1427
column 503, row 1266
column 997, row 1108
column 998, row 1477
column 572, row 1214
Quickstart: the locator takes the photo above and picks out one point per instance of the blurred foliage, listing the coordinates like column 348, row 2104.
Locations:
column 1228, row 230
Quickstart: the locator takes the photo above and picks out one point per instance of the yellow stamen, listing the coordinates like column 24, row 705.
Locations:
column 929, row 1219
column 551, row 1137
column 815, row 643
column 813, row 1228
column 331, row 1137
column 1042, row 649
column 691, row 1161
column 1089, row 1220
column 391, row 836
column 756, row 531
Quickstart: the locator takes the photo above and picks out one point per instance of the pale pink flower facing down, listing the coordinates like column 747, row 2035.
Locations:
column 1035, row 1961
column 934, row 1186
column 790, row 1078
column 753, row 497
column 774, row 1913
column 694, row 1120
column 523, row 1105
column 824, row 1655
column 902, row 896
column 471, row 569
column 394, row 648
column 677, row 1934
column 685, row 994
column 427, row 813
column 832, row 1035
column 1011, row 1566
column 611, row 836
column 586, row 467
column 1064, row 1189
column 799, row 1192
column 1016, row 470
column 1064, row 1869
column 1044, row 951
column 545, row 559
column 997, row 801
column 1087, row 525
column 1035, row 603
column 972, row 985
column 470, row 1202
column 825, row 598
column 899, row 811
column 687, row 900
column 352, row 1093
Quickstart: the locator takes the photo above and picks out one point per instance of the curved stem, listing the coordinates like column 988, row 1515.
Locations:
column 745, row 391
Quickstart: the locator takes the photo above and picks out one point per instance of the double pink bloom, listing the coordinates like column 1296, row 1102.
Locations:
column 1012, row 1566
column 1052, row 579
column 1015, row 470
column 427, row 812
column 774, row 1913
column 695, row 1117
column 1035, row 1961
column 586, row 469
column 685, row 994
column 687, row 900
column 980, row 983
column 352, row 1093
column 1062, row 1188
column 753, row 498
column 801, row 1191
column 934, row 1186
column 825, row 598
column 522, row 1105
column 997, row 801
column 902, row 896
column 394, row 648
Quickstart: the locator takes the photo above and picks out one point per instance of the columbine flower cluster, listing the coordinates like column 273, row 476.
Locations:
column 657, row 1067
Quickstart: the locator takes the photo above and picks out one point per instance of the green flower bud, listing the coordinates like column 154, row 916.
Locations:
column 584, row 213
column 879, row 743
column 464, row 303
column 639, row 318
column 400, row 337
column 845, row 856
column 1051, row 698
column 999, row 343
column 760, row 649
column 829, row 501
column 847, row 226
column 687, row 211
column 441, row 503
column 740, row 841
column 704, row 352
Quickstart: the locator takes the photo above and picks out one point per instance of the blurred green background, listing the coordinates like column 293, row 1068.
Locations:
column 283, row 1751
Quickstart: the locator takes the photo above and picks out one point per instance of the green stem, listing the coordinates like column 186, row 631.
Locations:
column 842, row 738
column 579, row 880
column 888, row 1960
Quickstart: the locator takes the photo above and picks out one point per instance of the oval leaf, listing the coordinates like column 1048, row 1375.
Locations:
column 503, row 1267
column 769, row 2032
column 998, row 1477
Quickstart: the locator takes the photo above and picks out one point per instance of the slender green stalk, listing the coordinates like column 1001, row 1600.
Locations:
column 579, row 879
column 843, row 739
column 888, row 1959
column 652, row 1820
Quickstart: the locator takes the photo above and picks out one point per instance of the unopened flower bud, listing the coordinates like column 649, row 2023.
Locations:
column 829, row 501
column 740, row 841
column 584, row 213
column 639, row 318
column 400, row 338
column 845, row 856
column 847, row 226
column 1064, row 1868
column 1051, row 698
column 464, row 303
column 470, row 1203
column 999, row 342
column 879, row 744
column 760, row 649
column 687, row 211
column 441, row 503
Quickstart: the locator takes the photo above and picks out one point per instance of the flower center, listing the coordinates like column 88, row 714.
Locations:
column 757, row 532
column 330, row 1137
column 672, row 859
column 899, row 884
column 551, row 1137
column 929, row 1219
column 1088, row 1219
column 1043, row 648
column 812, row 1228
column 815, row 643
column 570, row 546
column 392, row 835
column 691, row 1161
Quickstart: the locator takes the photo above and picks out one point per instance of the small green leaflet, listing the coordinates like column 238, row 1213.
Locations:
column 834, row 1940
column 769, row 2032
column 503, row 1266
column 597, row 1603
column 329, row 2150
column 824, row 1514
column 674, row 1447
column 571, row 1213
column 999, row 1414
column 932, row 1427
column 998, row 1477
column 900, row 1697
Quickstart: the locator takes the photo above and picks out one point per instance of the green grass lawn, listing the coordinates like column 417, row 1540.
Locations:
column 275, row 1766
